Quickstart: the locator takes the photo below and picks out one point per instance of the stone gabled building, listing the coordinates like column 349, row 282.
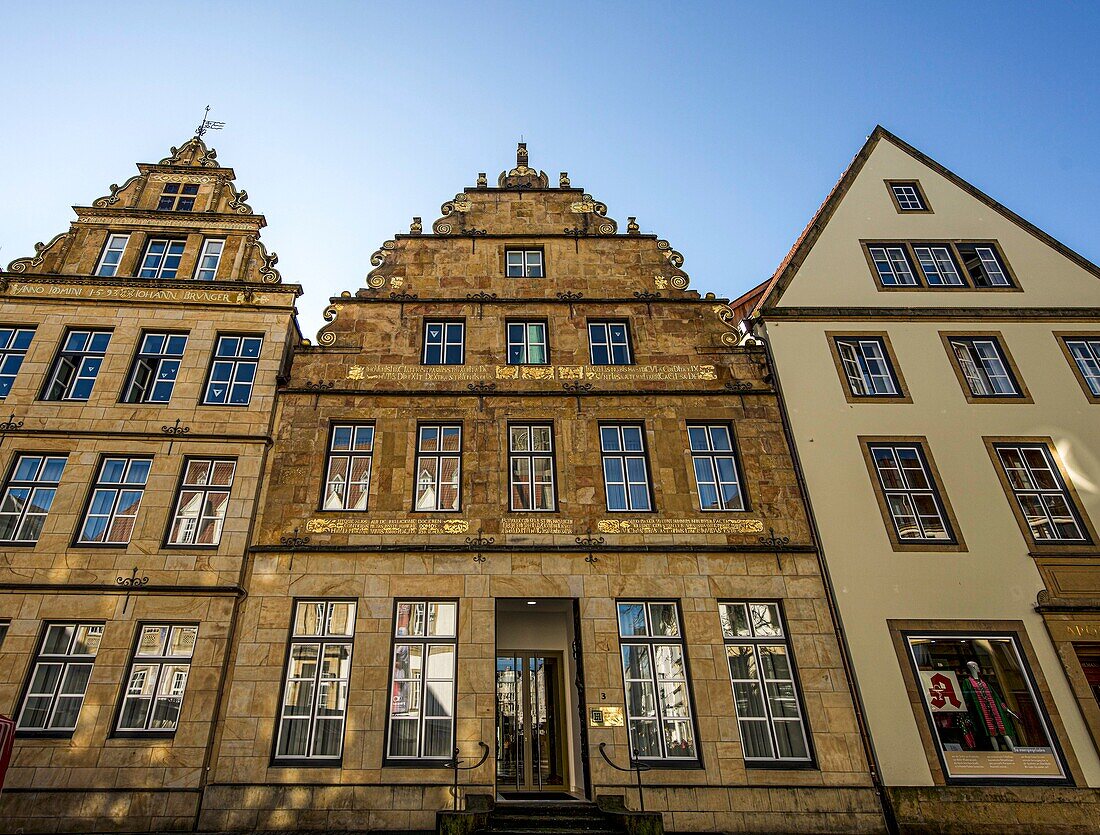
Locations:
column 528, row 491
column 139, row 354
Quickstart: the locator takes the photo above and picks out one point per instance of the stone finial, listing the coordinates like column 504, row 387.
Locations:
column 482, row 180
column 522, row 176
column 632, row 227
column 521, row 155
column 563, row 179
column 416, row 227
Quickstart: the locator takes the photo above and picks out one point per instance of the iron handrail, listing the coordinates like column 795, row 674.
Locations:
column 455, row 764
column 636, row 765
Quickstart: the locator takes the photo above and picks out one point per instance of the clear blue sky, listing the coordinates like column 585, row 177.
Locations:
column 721, row 126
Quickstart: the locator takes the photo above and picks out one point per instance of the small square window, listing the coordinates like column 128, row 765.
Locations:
column 444, row 343
column 908, row 196
column 523, row 263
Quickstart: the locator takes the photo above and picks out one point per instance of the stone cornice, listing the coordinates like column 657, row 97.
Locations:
column 153, row 284
column 222, row 221
column 150, row 167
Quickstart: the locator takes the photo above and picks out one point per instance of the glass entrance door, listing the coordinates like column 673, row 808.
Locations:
column 530, row 728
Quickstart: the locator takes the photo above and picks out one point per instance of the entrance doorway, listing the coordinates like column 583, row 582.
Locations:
column 539, row 739
column 530, row 723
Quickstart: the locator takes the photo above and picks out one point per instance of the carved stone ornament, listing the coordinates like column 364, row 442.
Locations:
column 596, row 212
column 383, row 265
column 416, row 227
column 112, row 198
column 523, row 176
column 41, row 250
column 237, row 201
column 453, row 219
column 266, row 269
column 734, row 334
column 678, row 280
column 194, row 153
column 325, row 336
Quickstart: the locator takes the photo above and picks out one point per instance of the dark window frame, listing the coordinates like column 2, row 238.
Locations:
column 13, row 467
column 158, row 272
column 181, row 197
column 622, row 454
column 526, row 250
column 953, row 245
column 975, row 366
column 8, row 352
column 525, row 322
column 954, row 540
column 118, row 487
column 713, row 454
column 924, row 208
column 1088, row 541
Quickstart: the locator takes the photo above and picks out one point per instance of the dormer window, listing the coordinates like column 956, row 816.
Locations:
column 162, row 258
column 178, row 197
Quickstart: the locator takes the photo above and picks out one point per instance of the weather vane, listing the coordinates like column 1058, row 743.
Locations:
column 207, row 124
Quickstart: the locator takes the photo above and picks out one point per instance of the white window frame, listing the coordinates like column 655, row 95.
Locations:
column 115, row 245
column 157, row 368
column 39, row 491
column 525, row 343
column 158, row 675
column 447, row 329
column 909, row 493
column 528, row 456
column 114, row 490
column 323, row 640
column 173, row 248
column 654, row 645
column 937, row 263
column 867, row 366
column 83, row 364
column 1042, row 482
column 435, row 483
column 236, row 361
column 529, row 262
column 186, row 524
column 68, row 661
column 209, row 261
column 1086, row 354
column 908, row 197
column 12, row 356
column 761, row 628
column 711, row 455
column 984, row 366
column 416, row 636
column 622, row 456
column 341, row 463
column 892, row 265
column 602, row 329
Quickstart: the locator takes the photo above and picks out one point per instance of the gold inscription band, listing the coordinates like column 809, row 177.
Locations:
column 532, row 372
column 388, row 526
column 696, row 526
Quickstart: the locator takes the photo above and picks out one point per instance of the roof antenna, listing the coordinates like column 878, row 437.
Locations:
column 206, row 124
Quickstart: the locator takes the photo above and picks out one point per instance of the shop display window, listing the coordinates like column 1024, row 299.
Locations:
column 988, row 722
